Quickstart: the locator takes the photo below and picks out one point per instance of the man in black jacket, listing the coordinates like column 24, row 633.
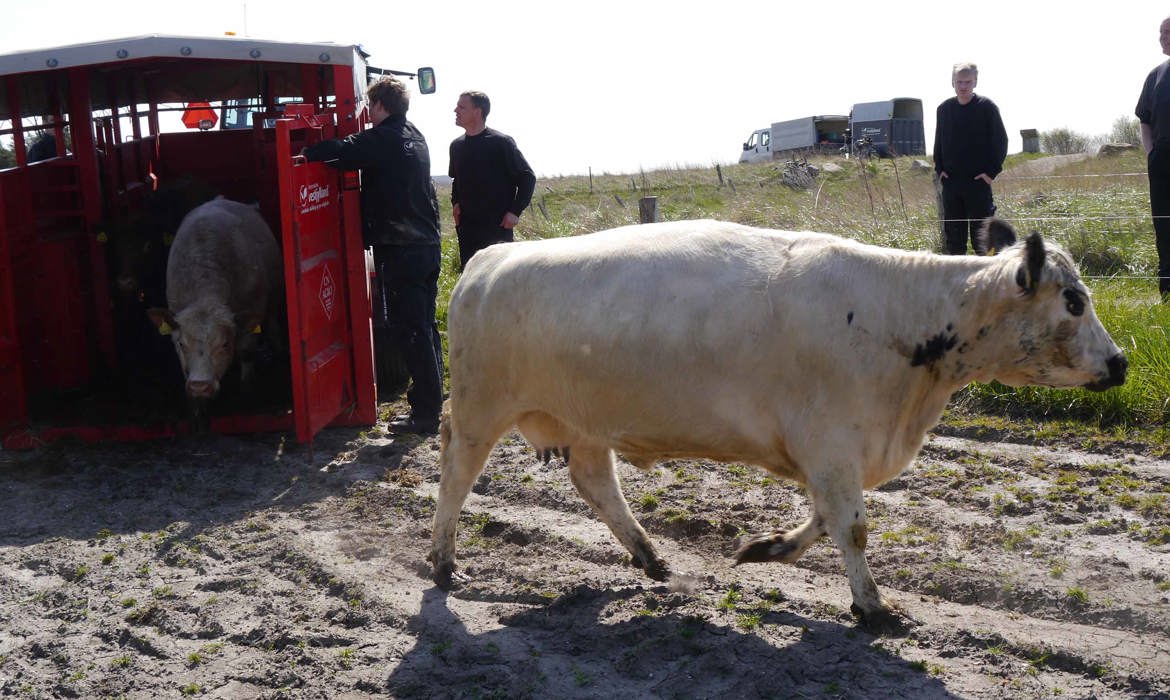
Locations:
column 970, row 144
column 400, row 221
column 491, row 183
column 1153, row 113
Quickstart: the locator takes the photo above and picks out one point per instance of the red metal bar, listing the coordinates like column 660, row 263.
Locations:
column 28, row 439
column 354, row 252
column 292, row 282
column 18, row 147
column 14, row 405
column 85, row 152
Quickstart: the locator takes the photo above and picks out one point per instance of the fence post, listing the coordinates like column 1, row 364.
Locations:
column 648, row 210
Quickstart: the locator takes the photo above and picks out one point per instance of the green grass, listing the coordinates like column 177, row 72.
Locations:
column 1097, row 208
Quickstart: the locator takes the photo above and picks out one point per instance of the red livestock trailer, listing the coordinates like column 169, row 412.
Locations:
column 104, row 169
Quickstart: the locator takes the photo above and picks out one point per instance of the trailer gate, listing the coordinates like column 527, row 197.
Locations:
column 66, row 357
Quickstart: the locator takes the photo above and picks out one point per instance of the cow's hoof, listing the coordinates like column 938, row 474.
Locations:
column 656, row 569
column 771, row 546
column 886, row 621
column 446, row 577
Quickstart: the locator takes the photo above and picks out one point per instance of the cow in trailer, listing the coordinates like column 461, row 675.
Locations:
column 822, row 360
column 223, row 285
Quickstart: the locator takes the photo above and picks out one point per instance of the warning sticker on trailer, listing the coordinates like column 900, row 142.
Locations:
column 314, row 197
column 328, row 293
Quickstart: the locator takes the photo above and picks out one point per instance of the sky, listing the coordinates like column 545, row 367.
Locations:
column 617, row 87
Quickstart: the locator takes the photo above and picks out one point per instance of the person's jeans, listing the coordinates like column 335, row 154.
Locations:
column 966, row 203
column 473, row 239
column 1158, row 167
column 410, row 279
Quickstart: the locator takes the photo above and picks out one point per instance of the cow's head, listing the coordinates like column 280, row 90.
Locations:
column 205, row 340
column 1045, row 315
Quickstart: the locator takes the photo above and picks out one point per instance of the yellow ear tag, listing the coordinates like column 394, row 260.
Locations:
column 256, row 329
column 102, row 237
column 164, row 328
column 167, row 238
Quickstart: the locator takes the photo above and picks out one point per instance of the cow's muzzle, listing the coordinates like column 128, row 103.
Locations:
column 201, row 389
column 1117, row 368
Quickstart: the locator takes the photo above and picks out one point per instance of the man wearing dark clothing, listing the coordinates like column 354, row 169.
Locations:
column 491, row 182
column 970, row 144
column 1153, row 112
column 400, row 221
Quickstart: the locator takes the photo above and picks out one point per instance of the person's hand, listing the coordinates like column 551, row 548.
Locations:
column 455, row 213
column 510, row 220
column 984, row 177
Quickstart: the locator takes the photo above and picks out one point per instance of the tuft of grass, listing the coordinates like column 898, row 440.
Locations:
column 730, row 599
column 748, row 621
column 580, row 677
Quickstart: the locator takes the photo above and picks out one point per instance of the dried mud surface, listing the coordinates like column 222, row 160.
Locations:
column 238, row 567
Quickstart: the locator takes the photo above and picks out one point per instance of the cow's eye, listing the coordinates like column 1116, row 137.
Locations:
column 1074, row 302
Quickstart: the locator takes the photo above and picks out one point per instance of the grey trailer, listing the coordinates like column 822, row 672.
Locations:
column 893, row 127
column 819, row 133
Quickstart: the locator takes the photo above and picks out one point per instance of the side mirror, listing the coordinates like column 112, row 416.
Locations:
column 747, row 147
column 426, row 80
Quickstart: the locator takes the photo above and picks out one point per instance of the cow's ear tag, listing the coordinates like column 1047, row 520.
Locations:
column 102, row 237
column 164, row 328
column 167, row 239
column 256, row 329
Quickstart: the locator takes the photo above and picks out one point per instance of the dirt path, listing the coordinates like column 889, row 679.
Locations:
column 234, row 568
column 1043, row 166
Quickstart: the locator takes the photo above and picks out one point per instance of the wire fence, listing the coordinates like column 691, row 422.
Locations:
column 1137, row 224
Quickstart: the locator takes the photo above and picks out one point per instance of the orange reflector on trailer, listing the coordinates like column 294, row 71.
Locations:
column 199, row 115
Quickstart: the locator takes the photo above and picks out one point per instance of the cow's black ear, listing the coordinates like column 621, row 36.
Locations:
column 1028, row 276
column 996, row 234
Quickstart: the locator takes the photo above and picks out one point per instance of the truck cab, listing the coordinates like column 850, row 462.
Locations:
column 758, row 147
column 134, row 128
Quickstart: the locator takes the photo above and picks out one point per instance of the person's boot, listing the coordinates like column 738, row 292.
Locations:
column 414, row 425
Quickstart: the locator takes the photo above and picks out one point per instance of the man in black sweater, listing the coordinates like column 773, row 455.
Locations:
column 1153, row 113
column 970, row 145
column 400, row 221
column 491, row 184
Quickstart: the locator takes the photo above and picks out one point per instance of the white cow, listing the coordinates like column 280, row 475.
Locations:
column 224, row 279
column 820, row 359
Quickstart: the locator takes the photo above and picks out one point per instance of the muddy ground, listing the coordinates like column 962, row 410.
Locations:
column 235, row 567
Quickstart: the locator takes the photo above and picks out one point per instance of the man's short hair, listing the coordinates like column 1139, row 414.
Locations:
column 964, row 67
column 478, row 100
column 391, row 93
